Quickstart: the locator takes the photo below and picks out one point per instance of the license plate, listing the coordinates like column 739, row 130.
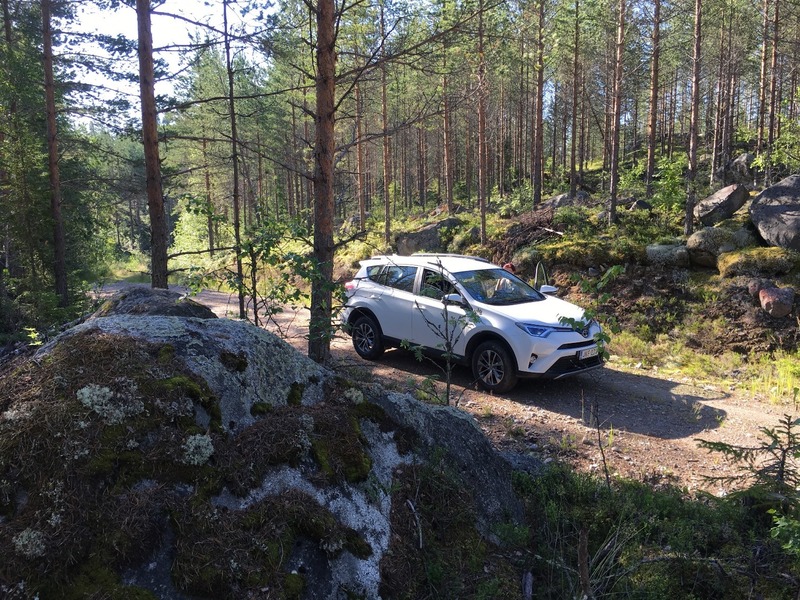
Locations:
column 588, row 353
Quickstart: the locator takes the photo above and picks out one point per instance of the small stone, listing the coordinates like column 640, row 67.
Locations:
column 777, row 302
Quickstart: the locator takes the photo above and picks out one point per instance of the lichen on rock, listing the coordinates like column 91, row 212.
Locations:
column 180, row 458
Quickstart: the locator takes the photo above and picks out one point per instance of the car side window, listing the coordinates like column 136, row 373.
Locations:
column 373, row 273
column 401, row 278
column 434, row 285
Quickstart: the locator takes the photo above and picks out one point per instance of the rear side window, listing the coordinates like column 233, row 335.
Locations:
column 401, row 278
column 373, row 272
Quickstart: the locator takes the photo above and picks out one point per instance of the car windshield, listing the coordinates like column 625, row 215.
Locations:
column 497, row 287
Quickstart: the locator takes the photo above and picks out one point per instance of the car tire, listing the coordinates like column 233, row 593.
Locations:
column 366, row 336
column 493, row 368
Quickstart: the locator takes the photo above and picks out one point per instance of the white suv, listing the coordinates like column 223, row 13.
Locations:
column 477, row 313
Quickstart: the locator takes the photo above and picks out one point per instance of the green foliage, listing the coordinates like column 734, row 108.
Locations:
column 784, row 155
column 513, row 202
column 631, row 181
column 669, row 184
column 769, row 468
column 641, row 542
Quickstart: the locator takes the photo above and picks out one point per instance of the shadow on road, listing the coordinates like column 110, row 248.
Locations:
column 616, row 399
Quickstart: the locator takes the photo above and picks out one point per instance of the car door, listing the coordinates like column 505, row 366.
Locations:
column 392, row 304
column 432, row 323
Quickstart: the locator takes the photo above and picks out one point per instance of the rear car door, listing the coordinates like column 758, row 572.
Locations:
column 393, row 304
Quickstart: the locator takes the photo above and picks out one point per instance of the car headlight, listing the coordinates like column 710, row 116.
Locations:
column 540, row 331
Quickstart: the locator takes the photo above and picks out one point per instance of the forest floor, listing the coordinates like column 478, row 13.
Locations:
column 632, row 423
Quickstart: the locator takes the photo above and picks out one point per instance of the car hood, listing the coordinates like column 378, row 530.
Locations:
column 546, row 312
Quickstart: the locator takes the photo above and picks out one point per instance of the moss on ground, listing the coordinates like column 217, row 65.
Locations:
column 758, row 262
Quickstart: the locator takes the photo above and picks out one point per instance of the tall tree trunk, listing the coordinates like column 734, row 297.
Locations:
column 691, row 176
column 481, row 125
column 319, row 333
column 447, row 140
column 59, row 240
column 152, row 164
column 538, row 134
column 209, row 199
column 719, row 113
column 573, row 167
column 773, row 87
column 422, row 188
column 360, row 191
column 617, row 111
column 762, row 88
column 237, row 234
column 387, row 150
column 653, row 109
column 6, row 242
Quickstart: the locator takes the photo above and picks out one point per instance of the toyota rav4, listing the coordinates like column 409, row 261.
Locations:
column 471, row 311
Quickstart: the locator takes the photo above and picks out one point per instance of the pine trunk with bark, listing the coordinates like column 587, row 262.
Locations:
column 538, row 134
column 616, row 115
column 482, row 92
column 155, row 197
column 59, row 239
column 653, row 109
column 237, row 233
column 573, row 156
column 319, row 335
column 694, row 124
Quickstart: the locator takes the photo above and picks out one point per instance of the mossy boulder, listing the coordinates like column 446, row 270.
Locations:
column 758, row 262
column 705, row 245
column 142, row 300
column 172, row 457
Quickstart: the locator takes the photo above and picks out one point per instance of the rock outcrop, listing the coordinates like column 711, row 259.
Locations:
column 707, row 244
column 776, row 213
column 721, row 205
column 430, row 238
column 187, row 458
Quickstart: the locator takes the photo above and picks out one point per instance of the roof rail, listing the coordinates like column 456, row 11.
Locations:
column 447, row 255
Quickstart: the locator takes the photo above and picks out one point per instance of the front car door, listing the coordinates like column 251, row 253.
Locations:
column 434, row 324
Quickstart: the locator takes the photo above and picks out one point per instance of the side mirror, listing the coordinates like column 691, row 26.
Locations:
column 548, row 289
column 453, row 299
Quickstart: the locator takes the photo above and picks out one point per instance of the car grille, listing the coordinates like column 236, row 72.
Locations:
column 576, row 345
column 571, row 364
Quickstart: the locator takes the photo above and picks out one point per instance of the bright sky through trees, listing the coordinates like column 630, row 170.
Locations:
column 172, row 27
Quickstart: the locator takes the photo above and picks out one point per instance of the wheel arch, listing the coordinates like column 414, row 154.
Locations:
column 360, row 311
column 488, row 336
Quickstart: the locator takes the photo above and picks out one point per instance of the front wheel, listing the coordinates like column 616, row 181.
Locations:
column 367, row 338
column 493, row 368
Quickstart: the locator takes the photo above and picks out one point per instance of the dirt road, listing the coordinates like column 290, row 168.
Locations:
column 648, row 424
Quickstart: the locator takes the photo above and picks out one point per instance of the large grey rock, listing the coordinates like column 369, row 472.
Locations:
column 721, row 205
column 142, row 300
column 456, row 435
column 668, row 255
column 242, row 364
column 776, row 213
column 581, row 198
column 427, row 239
column 705, row 245
column 740, row 168
column 276, row 422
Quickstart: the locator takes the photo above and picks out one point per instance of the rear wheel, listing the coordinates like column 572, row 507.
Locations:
column 493, row 368
column 367, row 338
